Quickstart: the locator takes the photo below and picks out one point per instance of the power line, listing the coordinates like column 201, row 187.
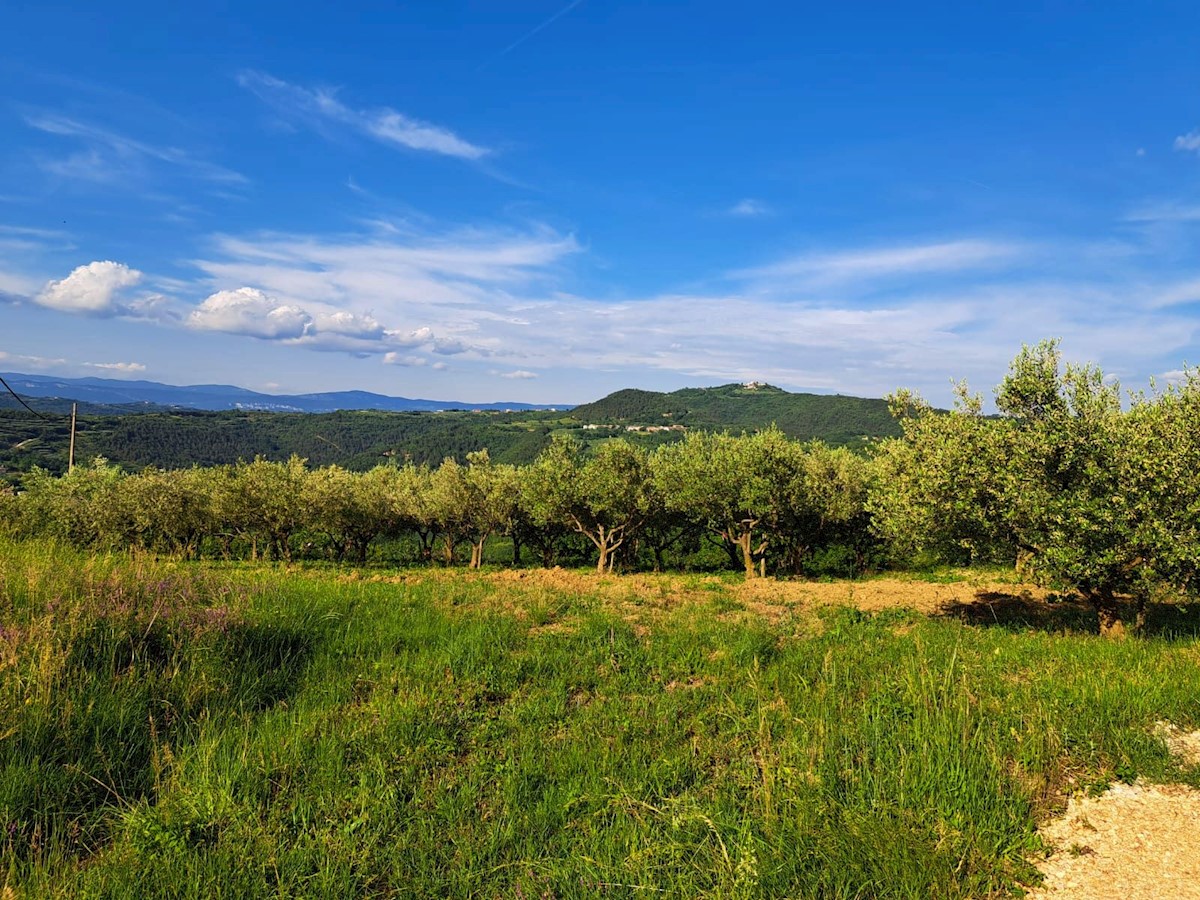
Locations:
column 22, row 402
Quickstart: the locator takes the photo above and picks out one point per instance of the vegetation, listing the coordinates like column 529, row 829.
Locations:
column 626, row 503
column 834, row 419
column 195, row 730
column 204, row 693
column 1083, row 494
column 360, row 440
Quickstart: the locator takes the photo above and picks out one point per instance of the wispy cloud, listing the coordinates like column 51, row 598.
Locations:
column 20, row 241
column 47, row 234
column 47, row 363
column 858, row 320
column 882, row 262
column 124, row 368
column 108, row 156
column 749, row 208
column 519, row 374
column 321, row 106
column 435, row 291
column 1167, row 212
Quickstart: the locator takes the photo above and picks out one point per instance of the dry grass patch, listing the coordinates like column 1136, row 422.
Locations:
column 644, row 599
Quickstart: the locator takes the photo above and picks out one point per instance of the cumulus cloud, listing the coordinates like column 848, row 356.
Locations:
column 1189, row 141
column 520, row 374
column 321, row 106
column 348, row 324
column 251, row 312
column 94, row 288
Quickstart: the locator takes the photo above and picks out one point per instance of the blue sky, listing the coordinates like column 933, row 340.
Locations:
column 550, row 200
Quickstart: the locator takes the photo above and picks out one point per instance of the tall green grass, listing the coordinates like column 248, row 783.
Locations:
column 176, row 731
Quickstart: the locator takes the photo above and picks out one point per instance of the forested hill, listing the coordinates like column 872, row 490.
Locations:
column 363, row 438
column 830, row 417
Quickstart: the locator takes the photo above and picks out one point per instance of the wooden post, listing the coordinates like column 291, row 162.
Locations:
column 71, row 453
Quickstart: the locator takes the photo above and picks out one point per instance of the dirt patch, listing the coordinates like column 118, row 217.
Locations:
column 646, row 597
column 1135, row 842
column 1183, row 744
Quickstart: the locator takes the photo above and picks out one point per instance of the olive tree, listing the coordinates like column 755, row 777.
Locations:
column 605, row 497
column 268, row 500
column 83, row 507
column 171, row 510
column 742, row 489
column 941, row 487
column 1081, row 489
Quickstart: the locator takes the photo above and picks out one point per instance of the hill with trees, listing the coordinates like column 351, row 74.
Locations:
column 360, row 439
column 832, row 418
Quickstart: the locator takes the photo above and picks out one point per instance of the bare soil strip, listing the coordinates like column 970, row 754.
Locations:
column 1134, row 842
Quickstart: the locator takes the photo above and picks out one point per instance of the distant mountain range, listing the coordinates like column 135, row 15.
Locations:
column 126, row 396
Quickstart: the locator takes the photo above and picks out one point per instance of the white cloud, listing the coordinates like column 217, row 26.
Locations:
column 348, row 324
column 399, row 359
column 386, row 125
column 250, row 312
column 1189, row 141
column 376, row 293
column 44, row 362
column 749, row 208
column 93, row 288
column 15, row 287
column 1175, row 294
column 854, row 320
column 121, row 367
column 45, row 234
column 33, row 362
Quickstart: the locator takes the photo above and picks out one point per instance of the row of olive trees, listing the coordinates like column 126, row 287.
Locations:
column 1080, row 489
column 767, row 500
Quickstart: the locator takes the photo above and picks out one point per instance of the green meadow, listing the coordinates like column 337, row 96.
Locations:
column 174, row 729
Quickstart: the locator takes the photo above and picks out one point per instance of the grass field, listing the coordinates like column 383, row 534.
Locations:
column 172, row 730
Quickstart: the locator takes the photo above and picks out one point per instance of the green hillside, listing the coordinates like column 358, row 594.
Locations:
column 829, row 417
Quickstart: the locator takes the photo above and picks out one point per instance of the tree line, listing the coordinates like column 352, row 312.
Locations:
column 760, row 497
column 1079, row 486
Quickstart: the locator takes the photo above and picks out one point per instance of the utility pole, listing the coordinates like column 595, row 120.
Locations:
column 71, row 453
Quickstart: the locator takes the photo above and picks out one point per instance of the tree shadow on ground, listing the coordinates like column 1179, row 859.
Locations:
column 266, row 663
column 1071, row 614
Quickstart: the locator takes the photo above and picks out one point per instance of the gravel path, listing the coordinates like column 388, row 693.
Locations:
column 1135, row 842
